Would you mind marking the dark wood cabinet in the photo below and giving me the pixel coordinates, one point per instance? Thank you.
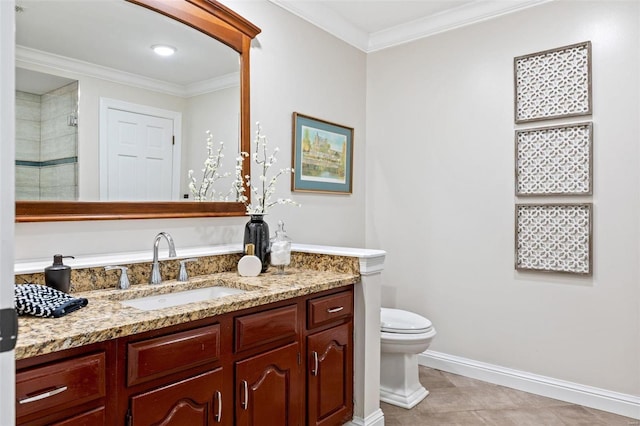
(268, 388)
(175, 377)
(284, 363)
(329, 352)
(330, 376)
(196, 401)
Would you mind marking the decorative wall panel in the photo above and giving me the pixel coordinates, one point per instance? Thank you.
(553, 83)
(553, 237)
(554, 160)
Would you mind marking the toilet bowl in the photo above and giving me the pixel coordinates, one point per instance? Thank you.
(403, 335)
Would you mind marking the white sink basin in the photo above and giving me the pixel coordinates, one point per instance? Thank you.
(161, 301)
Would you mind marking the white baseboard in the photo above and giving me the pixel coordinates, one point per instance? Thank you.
(374, 419)
(588, 396)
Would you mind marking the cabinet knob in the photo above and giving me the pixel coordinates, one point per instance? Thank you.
(314, 371)
(334, 310)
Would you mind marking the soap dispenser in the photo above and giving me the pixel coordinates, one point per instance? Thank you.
(280, 249)
(58, 275)
(249, 265)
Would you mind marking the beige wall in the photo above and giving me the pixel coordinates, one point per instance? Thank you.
(219, 113)
(298, 67)
(295, 67)
(440, 195)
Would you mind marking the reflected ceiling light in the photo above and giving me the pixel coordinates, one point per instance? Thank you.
(163, 49)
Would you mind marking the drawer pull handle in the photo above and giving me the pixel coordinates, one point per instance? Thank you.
(245, 395)
(43, 395)
(218, 416)
(314, 371)
(334, 310)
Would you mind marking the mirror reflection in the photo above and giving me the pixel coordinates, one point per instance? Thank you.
(100, 116)
(46, 137)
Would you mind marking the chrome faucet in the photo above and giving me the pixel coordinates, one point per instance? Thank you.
(182, 274)
(123, 282)
(155, 277)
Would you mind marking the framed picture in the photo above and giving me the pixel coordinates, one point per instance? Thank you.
(555, 160)
(554, 83)
(554, 238)
(322, 156)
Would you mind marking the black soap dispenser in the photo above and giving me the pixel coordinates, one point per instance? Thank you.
(58, 275)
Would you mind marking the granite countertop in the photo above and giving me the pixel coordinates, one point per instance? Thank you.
(105, 318)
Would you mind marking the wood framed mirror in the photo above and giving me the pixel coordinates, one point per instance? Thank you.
(222, 24)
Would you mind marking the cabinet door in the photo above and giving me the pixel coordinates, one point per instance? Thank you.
(330, 376)
(269, 388)
(91, 418)
(194, 401)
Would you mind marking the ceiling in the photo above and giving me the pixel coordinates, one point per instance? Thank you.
(372, 25)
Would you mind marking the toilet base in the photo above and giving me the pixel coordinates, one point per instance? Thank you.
(399, 383)
(403, 401)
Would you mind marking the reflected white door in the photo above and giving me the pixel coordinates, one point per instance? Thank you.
(139, 156)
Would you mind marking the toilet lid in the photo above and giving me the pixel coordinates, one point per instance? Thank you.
(399, 321)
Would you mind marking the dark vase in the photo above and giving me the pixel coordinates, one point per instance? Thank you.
(256, 232)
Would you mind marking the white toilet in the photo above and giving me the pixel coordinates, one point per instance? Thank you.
(403, 336)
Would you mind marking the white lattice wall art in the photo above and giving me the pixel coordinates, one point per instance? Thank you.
(554, 83)
(554, 160)
(553, 237)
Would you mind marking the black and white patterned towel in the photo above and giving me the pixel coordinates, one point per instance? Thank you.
(42, 301)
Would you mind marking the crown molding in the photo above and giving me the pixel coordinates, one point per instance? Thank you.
(470, 13)
(326, 19)
(464, 15)
(33, 59)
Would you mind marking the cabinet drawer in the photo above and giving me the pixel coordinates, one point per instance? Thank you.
(265, 327)
(91, 418)
(160, 356)
(60, 385)
(323, 310)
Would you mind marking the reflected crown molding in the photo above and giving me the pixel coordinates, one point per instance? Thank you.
(218, 83)
(29, 58)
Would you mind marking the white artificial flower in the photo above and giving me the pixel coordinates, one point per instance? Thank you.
(210, 174)
(266, 186)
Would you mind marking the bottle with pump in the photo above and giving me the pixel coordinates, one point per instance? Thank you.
(280, 249)
(58, 275)
(249, 265)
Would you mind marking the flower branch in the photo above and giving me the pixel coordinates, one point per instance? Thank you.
(262, 191)
(210, 175)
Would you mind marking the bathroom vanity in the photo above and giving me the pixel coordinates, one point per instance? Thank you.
(283, 350)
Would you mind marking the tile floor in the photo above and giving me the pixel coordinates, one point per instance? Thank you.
(458, 400)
